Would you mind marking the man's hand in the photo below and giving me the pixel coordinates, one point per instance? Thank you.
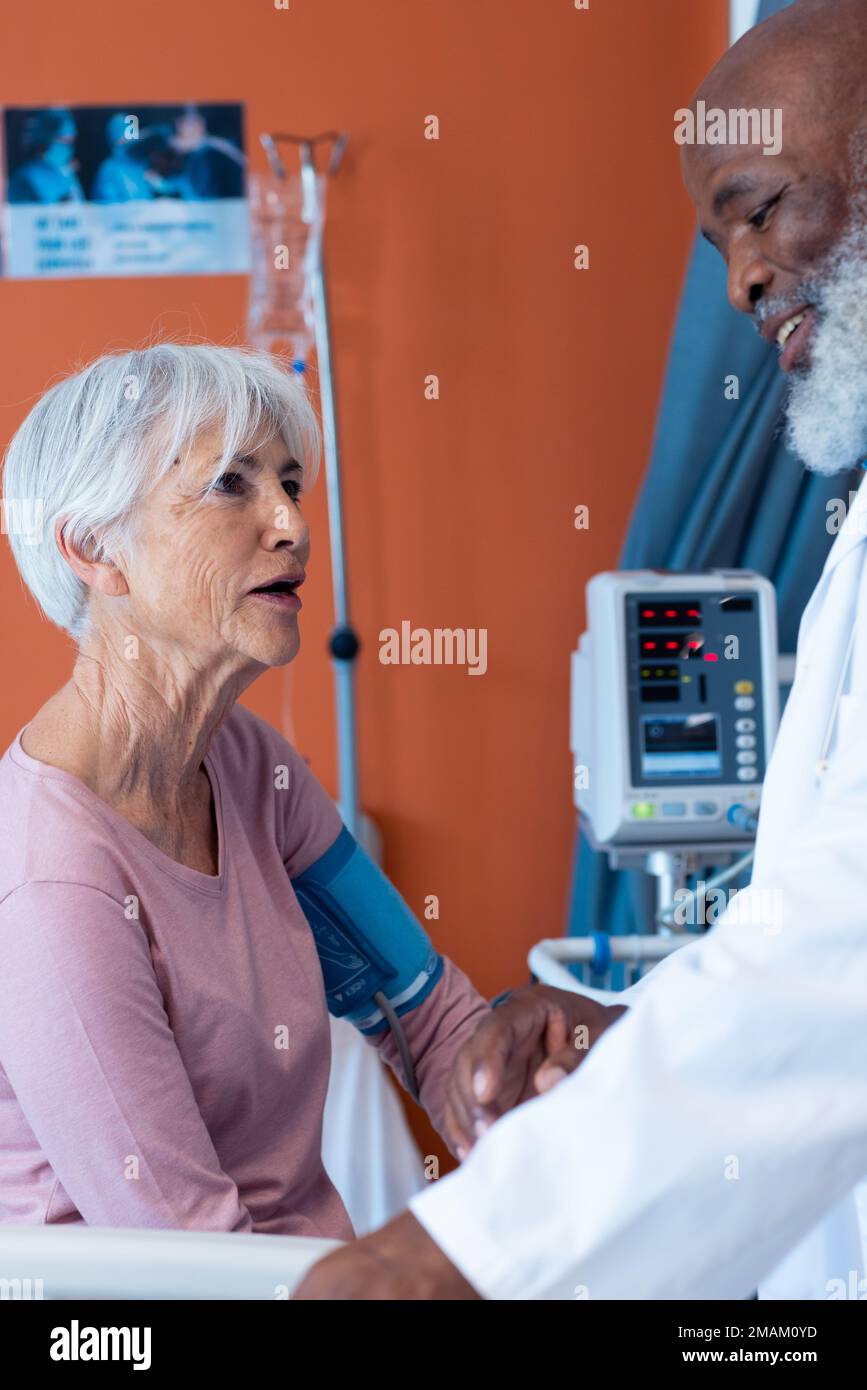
(399, 1261)
(521, 1049)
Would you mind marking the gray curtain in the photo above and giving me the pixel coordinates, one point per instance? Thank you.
(741, 499)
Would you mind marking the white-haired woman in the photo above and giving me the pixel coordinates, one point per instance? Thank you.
(164, 1042)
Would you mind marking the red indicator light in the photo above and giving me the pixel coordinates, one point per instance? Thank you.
(671, 646)
(648, 612)
(694, 644)
(709, 656)
(692, 613)
(649, 646)
(671, 612)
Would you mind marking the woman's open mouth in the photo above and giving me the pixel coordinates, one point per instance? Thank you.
(281, 594)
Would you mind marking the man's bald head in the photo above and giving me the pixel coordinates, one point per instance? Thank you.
(814, 50)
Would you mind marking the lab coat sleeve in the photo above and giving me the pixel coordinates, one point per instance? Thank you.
(87, 1049)
(714, 1123)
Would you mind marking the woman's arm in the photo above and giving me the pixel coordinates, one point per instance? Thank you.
(436, 1031)
(349, 901)
(86, 1045)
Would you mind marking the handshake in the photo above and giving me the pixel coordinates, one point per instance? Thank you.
(520, 1050)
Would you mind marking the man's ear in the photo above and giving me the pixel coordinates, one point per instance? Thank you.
(102, 576)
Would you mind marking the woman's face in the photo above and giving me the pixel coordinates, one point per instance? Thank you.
(197, 558)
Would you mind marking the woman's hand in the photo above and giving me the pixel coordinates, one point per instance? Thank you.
(521, 1049)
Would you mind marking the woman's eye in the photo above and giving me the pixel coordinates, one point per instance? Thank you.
(230, 482)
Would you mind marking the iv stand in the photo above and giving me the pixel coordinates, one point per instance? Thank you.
(343, 643)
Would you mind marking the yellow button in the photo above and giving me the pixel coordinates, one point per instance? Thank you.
(643, 810)
(744, 687)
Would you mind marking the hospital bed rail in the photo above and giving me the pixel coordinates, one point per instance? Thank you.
(549, 958)
(93, 1262)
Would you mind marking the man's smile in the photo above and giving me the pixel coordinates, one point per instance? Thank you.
(792, 332)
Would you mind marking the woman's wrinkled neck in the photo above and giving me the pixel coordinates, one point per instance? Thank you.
(144, 717)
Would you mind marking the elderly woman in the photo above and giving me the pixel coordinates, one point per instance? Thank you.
(164, 1036)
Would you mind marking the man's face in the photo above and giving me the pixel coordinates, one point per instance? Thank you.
(794, 239)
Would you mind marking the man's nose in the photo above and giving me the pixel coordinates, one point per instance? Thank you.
(749, 280)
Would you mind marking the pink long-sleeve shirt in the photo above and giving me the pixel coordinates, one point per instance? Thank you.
(164, 1037)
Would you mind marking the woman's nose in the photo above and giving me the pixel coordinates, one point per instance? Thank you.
(282, 516)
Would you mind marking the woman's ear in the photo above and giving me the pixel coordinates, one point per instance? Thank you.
(101, 575)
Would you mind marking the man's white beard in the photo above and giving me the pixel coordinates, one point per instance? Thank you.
(826, 409)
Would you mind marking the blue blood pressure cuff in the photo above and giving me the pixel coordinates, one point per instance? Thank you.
(367, 938)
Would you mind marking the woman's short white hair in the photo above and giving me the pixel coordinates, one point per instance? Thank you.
(99, 440)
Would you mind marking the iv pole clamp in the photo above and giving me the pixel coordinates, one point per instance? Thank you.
(343, 643)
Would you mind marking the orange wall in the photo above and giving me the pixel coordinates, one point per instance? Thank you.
(452, 258)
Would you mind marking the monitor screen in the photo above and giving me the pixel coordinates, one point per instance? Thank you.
(680, 746)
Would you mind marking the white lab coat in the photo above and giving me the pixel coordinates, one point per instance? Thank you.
(714, 1138)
